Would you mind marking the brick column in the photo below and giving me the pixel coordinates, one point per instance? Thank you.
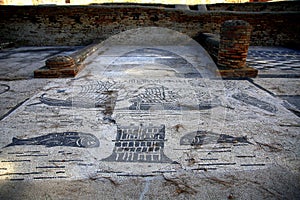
(233, 49)
(234, 43)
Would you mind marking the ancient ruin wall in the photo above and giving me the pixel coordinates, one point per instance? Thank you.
(257, 6)
(81, 25)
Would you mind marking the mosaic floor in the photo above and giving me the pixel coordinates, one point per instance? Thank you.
(149, 118)
(128, 122)
(26, 60)
(142, 127)
(274, 61)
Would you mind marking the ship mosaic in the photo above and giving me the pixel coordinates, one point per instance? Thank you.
(139, 144)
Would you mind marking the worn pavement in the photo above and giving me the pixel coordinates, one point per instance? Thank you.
(149, 120)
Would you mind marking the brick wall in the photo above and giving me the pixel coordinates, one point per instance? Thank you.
(81, 25)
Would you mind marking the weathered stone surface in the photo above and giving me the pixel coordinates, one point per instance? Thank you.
(132, 125)
(63, 66)
(25, 60)
(206, 185)
(280, 86)
(14, 93)
(45, 72)
(60, 62)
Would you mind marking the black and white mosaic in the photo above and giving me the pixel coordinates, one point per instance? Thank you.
(255, 102)
(284, 61)
(139, 144)
(165, 114)
(199, 138)
(151, 97)
(98, 95)
(4, 88)
(157, 124)
(141, 58)
(69, 139)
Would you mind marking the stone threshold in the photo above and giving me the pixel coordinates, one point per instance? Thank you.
(67, 72)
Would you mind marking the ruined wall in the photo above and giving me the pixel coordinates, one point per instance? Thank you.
(257, 7)
(81, 25)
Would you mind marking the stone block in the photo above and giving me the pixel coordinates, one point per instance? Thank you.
(63, 66)
(245, 72)
(46, 72)
(59, 62)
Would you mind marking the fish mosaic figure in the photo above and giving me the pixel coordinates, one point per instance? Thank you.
(255, 102)
(98, 95)
(199, 138)
(69, 139)
(107, 98)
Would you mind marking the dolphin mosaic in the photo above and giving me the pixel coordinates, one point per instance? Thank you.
(69, 139)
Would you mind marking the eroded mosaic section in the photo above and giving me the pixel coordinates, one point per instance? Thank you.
(141, 127)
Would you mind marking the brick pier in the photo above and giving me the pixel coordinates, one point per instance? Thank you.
(233, 49)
